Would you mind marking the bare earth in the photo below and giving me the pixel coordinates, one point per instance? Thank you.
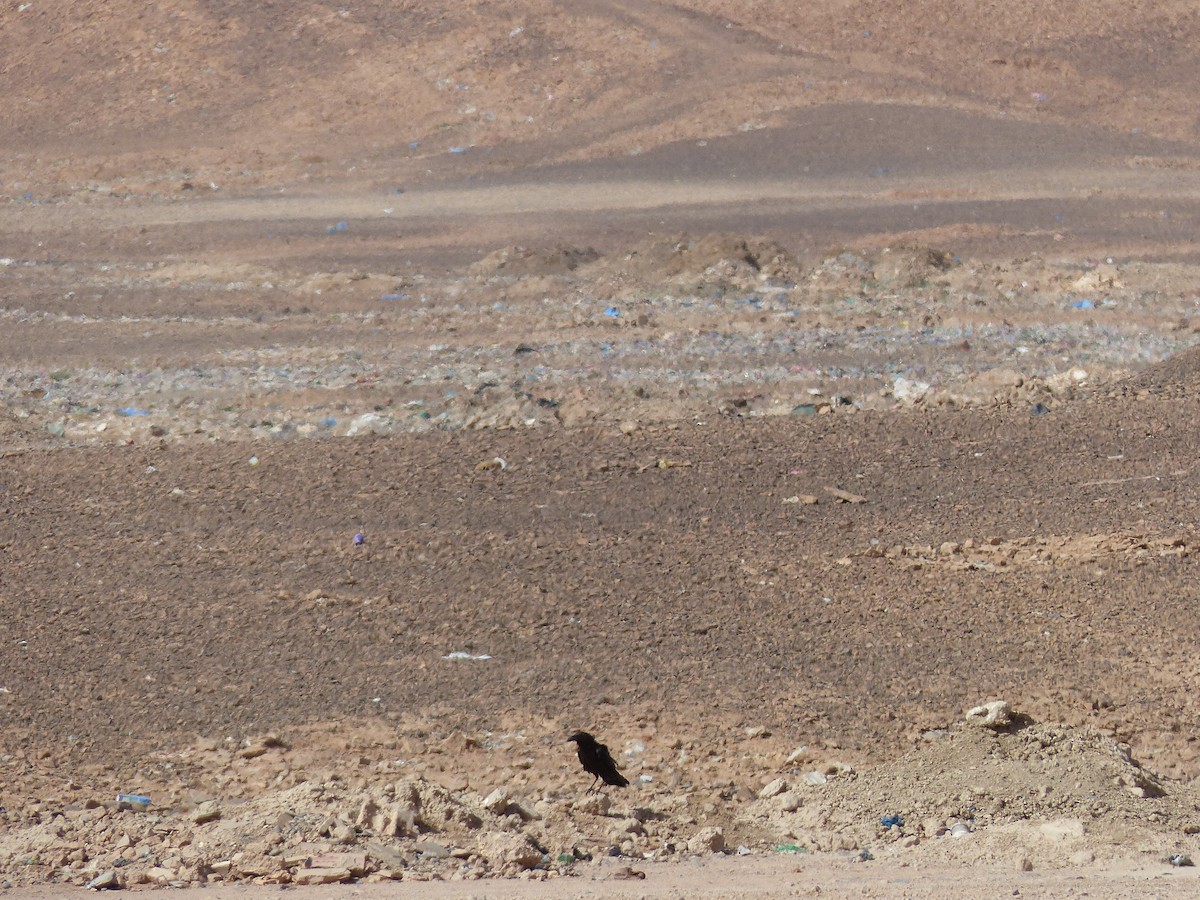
(388, 391)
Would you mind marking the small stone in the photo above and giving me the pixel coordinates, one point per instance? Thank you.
(1024, 864)
(628, 427)
(773, 789)
(431, 849)
(757, 731)
(321, 876)
(995, 714)
(789, 802)
(497, 802)
(511, 851)
(105, 882)
(707, 840)
(1083, 858)
(815, 778)
(596, 805)
(208, 811)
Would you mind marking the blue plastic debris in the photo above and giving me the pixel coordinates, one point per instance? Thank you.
(133, 801)
(132, 411)
(612, 312)
(458, 149)
(336, 229)
(327, 422)
(892, 820)
(392, 296)
(359, 539)
(1083, 304)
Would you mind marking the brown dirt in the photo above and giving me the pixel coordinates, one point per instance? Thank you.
(757, 387)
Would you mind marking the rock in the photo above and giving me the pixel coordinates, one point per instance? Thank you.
(815, 778)
(1024, 864)
(773, 789)
(1082, 858)
(994, 714)
(511, 851)
(105, 882)
(356, 863)
(321, 875)
(707, 840)
(431, 850)
(595, 804)
(800, 753)
(497, 802)
(344, 833)
(160, 875)
(401, 822)
(789, 802)
(208, 811)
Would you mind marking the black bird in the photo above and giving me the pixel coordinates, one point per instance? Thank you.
(597, 761)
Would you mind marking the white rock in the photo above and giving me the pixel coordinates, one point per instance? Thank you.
(773, 788)
(497, 801)
(707, 840)
(995, 714)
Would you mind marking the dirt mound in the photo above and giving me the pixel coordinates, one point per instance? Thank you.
(1176, 376)
(712, 258)
(526, 261)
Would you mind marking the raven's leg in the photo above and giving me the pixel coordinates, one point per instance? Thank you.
(592, 785)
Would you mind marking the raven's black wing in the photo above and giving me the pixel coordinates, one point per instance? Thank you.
(608, 767)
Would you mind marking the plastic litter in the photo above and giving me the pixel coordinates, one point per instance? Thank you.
(462, 654)
(890, 821)
(612, 312)
(959, 829)
(132, 411)
(743, 850)
(359, 539)
(790, 848)
(1180, 859)
(138, 802)
(1039, 409)
(337, 229)
(458, 149)
(1083, 304)
(392, 296)
(253, 460)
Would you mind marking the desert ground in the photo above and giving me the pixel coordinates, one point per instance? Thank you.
(388, 391)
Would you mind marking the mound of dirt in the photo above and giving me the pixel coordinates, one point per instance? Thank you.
(1176, 376)
(526, 261)
(713, 257)
(976, 792)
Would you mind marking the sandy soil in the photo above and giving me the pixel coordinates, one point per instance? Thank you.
(759, 388)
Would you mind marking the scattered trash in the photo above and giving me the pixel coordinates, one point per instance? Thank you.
(1180, 859)
(56, 429)
(254, 460)
(804, 409)
(462, 654)
(565, 858)
(612, 312)
(327, 422)
(743, 850)
(392, 296)
(815, 778)
(458, 149)
(336, 229)
(359, 539)
(137, 802)
(1039, 409)
(1083, 304)
(865, 855)
(790, 848)
(132, 411)
(959, 829)
(892, 820)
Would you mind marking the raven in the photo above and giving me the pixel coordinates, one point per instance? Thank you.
(597, 760)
